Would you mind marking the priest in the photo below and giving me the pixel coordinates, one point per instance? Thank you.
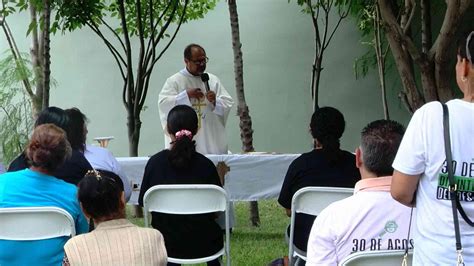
(205, 93)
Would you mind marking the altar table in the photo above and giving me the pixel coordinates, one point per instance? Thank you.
(251, 177)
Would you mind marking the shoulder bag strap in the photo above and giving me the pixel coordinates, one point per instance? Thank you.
(448, 153)
(452, 183)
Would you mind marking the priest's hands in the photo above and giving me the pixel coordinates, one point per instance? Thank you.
(195, 93)
(211, 97)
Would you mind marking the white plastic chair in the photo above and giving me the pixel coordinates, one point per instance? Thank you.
(377, 257)
(312, 200)
(189, 199)
(35, 223)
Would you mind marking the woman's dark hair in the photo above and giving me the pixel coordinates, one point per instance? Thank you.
(327, 125)
(48, 147)
(54, 115)
(462, 45)
(101, 196)
(77, 134)
(180, 119)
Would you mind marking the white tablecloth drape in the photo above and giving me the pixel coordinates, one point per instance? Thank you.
(251, 177)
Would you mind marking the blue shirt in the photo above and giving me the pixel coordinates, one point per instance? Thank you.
(27, 188)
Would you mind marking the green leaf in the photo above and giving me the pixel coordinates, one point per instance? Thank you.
(31, 27)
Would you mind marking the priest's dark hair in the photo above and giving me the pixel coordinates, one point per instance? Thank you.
(182, 118)
(327, 125)
(187, 50)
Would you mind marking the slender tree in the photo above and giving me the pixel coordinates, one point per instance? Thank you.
(246, 131)
(149, 22)
(323, 12)
(370, 24)
(39, 32)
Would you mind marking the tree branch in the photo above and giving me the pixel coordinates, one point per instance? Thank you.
(128, 50)
(113, 31)
(398, 33)
(153, 42)
(17, 57)
(454, 11)
(141, 55)
(118, 58)
(402, 60)
(163, 29)
(439, 52)
(407, 25)
(341, 17)
(314, 18)
(426, 37)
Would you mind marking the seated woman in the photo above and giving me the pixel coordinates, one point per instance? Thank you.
(326, 165)
(75, 166)
(115, 241)
(35, 187)
(186, 236)
(100, 158)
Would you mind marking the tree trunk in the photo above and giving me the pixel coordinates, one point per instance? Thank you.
(380, 60)
(246, 131)
(432, 60)
(35, 52)
(134, 126)
(46, 53)
(402, 58)
(317, 68)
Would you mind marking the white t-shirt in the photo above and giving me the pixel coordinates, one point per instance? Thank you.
(211, 137)
(368, 220)
(422, 152)
(102, 159)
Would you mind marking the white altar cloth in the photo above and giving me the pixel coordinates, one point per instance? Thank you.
(251, 177)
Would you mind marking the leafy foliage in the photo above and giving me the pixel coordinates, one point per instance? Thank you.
(75, 14)
(15, 107)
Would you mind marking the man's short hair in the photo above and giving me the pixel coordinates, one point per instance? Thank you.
(379, 143)
(187, 50)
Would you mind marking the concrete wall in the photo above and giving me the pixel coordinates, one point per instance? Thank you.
(278, 52)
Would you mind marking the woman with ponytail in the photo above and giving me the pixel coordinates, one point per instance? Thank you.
(326, 165)
(186, 236)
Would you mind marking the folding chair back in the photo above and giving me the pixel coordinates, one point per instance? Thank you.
(189, 199)
(35, 223)
(377, 257)
(312, 200)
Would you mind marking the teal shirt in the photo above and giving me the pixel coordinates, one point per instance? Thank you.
(27, 188)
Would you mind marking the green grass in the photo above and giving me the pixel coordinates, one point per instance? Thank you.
(254, 245)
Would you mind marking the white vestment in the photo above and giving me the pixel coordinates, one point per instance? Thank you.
(211, 136)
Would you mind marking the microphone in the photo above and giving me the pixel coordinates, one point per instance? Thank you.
(205, 79)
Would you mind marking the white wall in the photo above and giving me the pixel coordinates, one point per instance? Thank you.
(278, 52)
